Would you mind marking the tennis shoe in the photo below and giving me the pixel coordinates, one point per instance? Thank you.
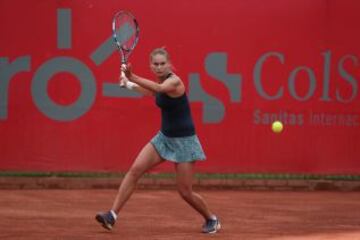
(105, 219)
(211, 225)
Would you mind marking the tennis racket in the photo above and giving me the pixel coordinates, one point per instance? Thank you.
(125, 34)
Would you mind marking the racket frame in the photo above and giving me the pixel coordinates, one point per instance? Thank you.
(124, 52)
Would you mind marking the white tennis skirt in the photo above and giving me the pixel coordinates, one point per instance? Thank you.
(178, 149)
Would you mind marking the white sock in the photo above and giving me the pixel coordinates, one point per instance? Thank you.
(113, 214)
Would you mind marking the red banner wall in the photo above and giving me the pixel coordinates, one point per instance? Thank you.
(246, 63)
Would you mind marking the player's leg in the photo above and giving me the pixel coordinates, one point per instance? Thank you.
(147, 158)
(184, 177)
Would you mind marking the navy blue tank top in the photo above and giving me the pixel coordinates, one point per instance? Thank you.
(176, 120)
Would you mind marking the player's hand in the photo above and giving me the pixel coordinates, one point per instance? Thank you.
(127, 69)
(123, 80)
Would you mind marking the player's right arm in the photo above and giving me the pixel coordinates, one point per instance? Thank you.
(124, 82)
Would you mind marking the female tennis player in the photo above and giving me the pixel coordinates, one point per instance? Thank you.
(176, 141)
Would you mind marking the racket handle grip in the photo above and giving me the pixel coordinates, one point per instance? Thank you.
(123, 66)
(123, 76)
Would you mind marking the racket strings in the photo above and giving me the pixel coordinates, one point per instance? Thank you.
(126, 31)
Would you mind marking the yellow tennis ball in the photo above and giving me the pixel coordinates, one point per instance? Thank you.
(277, 127)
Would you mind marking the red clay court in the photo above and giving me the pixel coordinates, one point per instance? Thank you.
(162, 214)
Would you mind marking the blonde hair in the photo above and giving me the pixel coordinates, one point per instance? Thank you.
(161, 51)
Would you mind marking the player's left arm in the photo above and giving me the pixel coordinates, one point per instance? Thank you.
(169, 85)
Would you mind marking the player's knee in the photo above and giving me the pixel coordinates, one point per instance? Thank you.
(135, 173)
(185, 192)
